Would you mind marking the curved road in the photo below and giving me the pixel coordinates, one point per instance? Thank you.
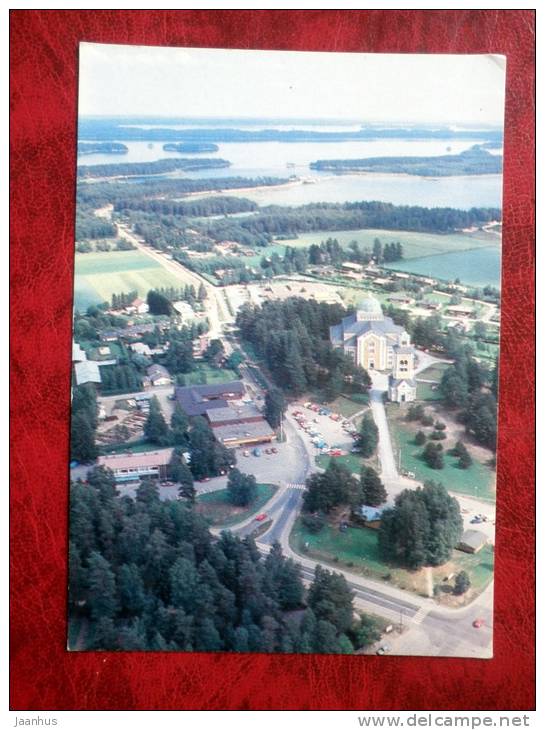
(435, 630)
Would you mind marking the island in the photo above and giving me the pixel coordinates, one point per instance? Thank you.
(475, 161)
(103, 148)
(157, 167)
(190, 147)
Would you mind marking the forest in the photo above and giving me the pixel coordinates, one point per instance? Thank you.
(106, 129)
(88, 225)
(216, 205)
(101, 193)
(279, 220)
(475, 161)
(292, 337)
(190, 147)
(104, 148)
(147, 575)
(157, 167)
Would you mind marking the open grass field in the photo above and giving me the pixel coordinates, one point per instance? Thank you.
(428, 391)
(207, 375)
(434, 372)
(218, 511)
(357, 549)
(99, 275)
(476, 481)
(415, 244)
(348, 407)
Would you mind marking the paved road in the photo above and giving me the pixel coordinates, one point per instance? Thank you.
(216, 308)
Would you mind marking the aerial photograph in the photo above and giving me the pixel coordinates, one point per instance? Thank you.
(286, 325)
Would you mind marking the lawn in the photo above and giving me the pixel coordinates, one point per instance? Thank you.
(426, 392)
(136, 447)
(99, 275)
(348, 407)
(434, 372)
(357, 549)
(351, 461)
(218, 511)
(477, 481)
(415, 244)
(206, 374)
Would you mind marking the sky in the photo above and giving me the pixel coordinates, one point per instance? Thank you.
(158, 81)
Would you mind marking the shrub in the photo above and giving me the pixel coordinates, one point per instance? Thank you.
(420, 438)
(313, 522)
(440, 426)
(426, 420)
(462, 583)
(438, 435)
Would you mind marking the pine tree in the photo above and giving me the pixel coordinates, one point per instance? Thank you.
(373, 490)
(155, 428)
(179, 423)
(241, 488)
(462, 583)
(131, 589)
(82, 439)
(179, 472)
(275, 406)
(102, 596)
(368, 436)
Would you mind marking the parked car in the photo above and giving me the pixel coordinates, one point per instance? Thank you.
(478, 623)
(261, 517)
(274, 450)
(256, 451)
(245, 452)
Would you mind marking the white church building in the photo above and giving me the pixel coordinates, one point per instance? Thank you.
(376, 343)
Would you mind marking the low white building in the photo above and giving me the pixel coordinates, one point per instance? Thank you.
(87, 371)
(159, 375)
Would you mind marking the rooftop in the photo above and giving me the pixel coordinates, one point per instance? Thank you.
(196, 400)
(145, 458)
(239, 431)
(78, 354)
(233, 413)
(474, 539)
(87, 372)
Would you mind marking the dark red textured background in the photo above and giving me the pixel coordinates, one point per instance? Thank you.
(44, 47)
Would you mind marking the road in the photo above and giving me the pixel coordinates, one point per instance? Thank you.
(434, 630)
(215, 305)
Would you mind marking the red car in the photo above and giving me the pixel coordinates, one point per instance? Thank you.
(260, 517)
(478, 623)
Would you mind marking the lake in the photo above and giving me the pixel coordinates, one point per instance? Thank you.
(478, 267)
(255, 159)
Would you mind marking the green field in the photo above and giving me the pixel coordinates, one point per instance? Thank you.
(348, 407)
(99, 275)
(415, 244)
(207, 375)
(356, 549)
(476, 481)
(218, 511)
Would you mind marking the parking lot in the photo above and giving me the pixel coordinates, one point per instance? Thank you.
(323, 430)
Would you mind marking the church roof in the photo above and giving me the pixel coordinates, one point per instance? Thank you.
(404, 349)
(394, 382)
(385, 326)
(370, 305)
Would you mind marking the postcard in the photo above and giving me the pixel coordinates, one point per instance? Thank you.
(285, 352)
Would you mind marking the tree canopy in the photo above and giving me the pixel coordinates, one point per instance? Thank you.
(422, 528)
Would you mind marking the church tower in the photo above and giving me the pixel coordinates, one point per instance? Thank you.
(403, 365)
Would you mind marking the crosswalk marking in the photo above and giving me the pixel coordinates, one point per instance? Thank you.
(291, 485)
(420, 615)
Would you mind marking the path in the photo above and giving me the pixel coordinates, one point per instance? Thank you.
(215, 305)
